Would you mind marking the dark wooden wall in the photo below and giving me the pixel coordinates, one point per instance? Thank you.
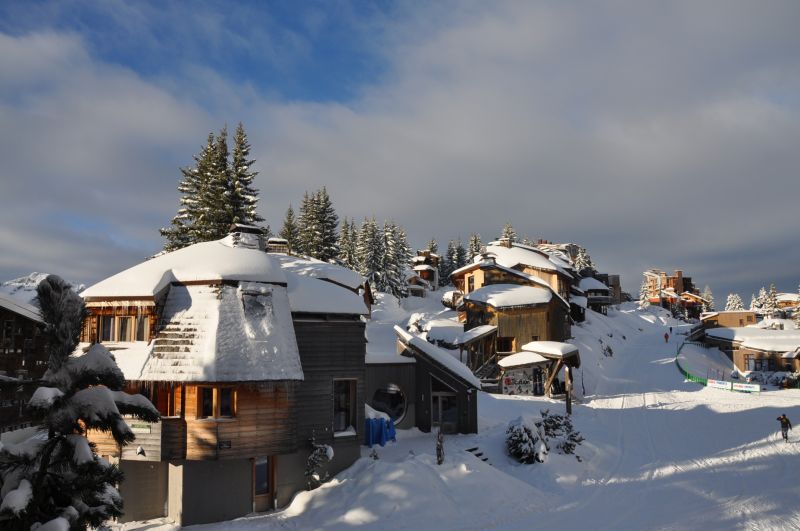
(467, 397)
(21, 345)
(402, 375)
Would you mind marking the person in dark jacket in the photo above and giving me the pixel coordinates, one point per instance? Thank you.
(785, 426)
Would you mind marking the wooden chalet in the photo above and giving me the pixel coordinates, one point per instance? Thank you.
(423, 386)
(757, 349)
(731, 319)
(246, 354)
(426, 266)
(598, 295)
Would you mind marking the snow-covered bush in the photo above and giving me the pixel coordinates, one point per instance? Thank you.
(321, 455)
(56, 477)
(525, 441)
(560, 433)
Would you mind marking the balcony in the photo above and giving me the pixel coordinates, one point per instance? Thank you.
(155, 441)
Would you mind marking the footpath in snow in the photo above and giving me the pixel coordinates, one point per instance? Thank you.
(660, 453)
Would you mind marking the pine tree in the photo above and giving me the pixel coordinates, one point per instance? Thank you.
(242, 197)
(460, 256)
(347, 244)
(60, 479)
(306, 226)
(328, 223)
(753, 303)
(369, 252)
(393, 280)
(474, 246)
(290, 231)
(214, 195)
(770, 306)
(447, 263)
(433, 246)
(644, 295)
(186, 227)
(508, 232)
(708, 306)
(734, 303)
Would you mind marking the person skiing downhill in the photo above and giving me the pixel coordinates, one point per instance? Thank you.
(666, 337)
(785, 426)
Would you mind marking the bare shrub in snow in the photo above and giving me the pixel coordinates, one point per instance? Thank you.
(56, 477)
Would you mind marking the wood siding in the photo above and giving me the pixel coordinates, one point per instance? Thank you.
(264, 423)
(403, 375)
(159, 441)
(329, 350)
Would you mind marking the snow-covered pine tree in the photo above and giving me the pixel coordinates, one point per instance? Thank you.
(527, 241)
(329, 226)
(187, 226)
(347, 244)
(753, 302)
(307, 229)
(56, 477)
(403, 248)
(761, 299)
(242, 197)
(708, 306)
(734, 303)
(290, 231)
(447, 263)
(770, 306)
(393, 280)
(369, 252)
(644, 295)
(216, 191)
(460, 256)
(508, 232)
(474, 246)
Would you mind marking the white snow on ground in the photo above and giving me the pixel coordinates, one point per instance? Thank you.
(660, 453)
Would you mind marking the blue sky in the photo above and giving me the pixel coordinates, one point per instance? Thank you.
(656, 134)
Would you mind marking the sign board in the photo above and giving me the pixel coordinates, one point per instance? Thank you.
(141, 427)
(748, 388)
(719, 384)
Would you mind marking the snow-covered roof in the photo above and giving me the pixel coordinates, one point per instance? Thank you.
(791, 355)
(509, 295)
(207, 261)
(445, 330)
(521, 359)
(590, 283)
(551, 348)
(789, 297)
(424, 267)
(323, 270)
(475, 333)
(759, 338)
(579, 300)
(439, 356)
(26, 310)
(517, 254)
(235, 334)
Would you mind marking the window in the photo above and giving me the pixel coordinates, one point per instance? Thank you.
(216, 402)
(206, 409)
(226, 402)
(344, 406)
(390, 400)
(141, 328)
(8, 332)
(470, 284)
(534, 338)
(106, 328)
(505, 344)
(125, 332)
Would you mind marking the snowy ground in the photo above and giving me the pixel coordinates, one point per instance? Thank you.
(660, 453)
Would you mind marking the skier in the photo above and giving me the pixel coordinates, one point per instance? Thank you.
(670, 329)
(666, 337)
(785, 427)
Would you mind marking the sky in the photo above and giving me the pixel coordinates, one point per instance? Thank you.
(655, 134)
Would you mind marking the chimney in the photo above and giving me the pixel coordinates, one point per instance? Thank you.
(247, 236)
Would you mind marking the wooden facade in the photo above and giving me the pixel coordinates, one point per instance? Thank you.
(519, 325)
(21, 346)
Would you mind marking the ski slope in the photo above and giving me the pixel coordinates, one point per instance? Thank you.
(660, 453)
